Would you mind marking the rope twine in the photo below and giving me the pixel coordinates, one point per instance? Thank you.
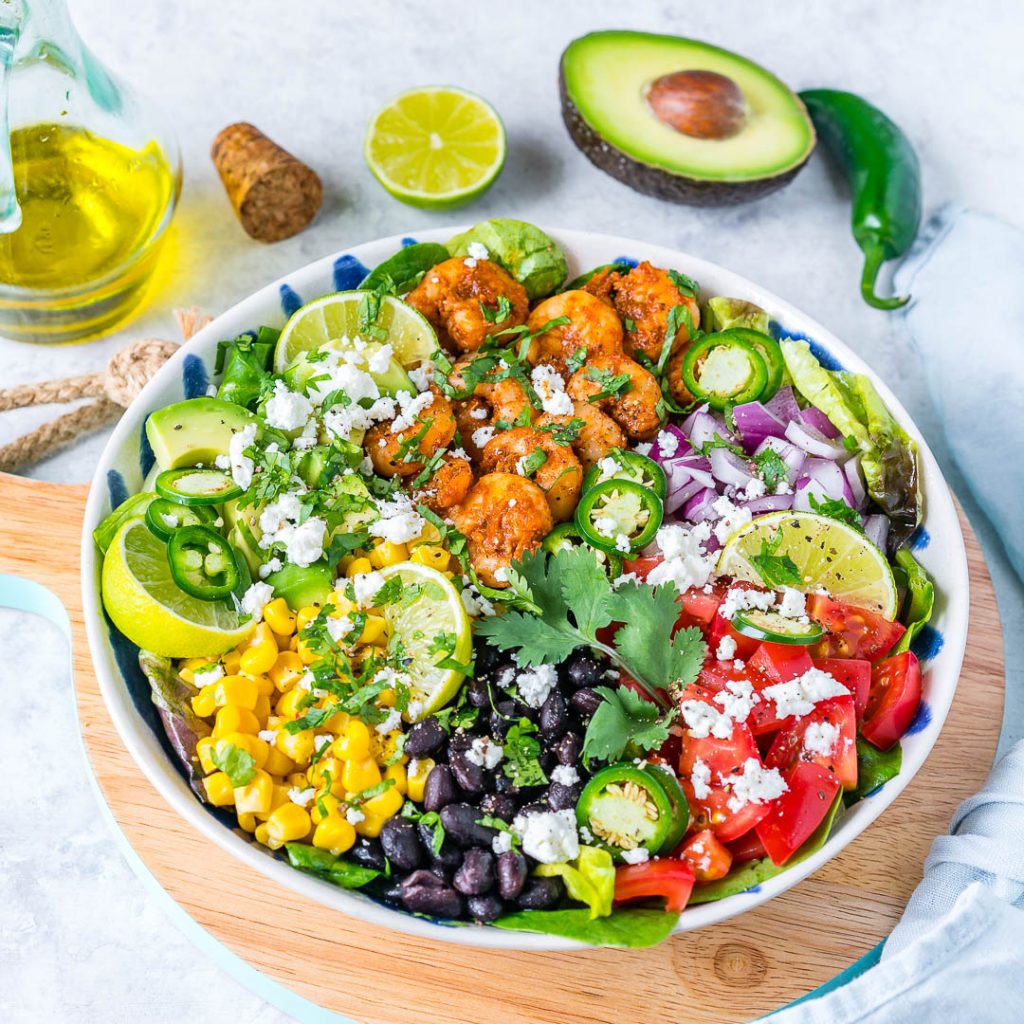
(113, 389)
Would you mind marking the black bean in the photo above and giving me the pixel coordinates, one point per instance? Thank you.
(511, 874)
(391, 893)
(421, 877)
(460, 824)
(459, 740)
(400, 843)
(424, 738)
(541, 893)
(563, 798)
(585, 702)
(468, 774)
(499, 805)
(369, 853)
(567, 749)
(504, 785)
(439, 900)
(485, 908)
(582, 670)
(439, 788)
(478, 693)
(502, 718)
(538, 806)
(476, 875)
(487, 658)
(448, 856)
(553, 718)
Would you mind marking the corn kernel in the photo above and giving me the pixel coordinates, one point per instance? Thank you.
(233, 719)
(327, 768)
(306, 615)
(370, 826)
(337, 723)
(334, 834)
(260, 652)
(390, 746)
(204, 751)
(283, 641)
(278, 763)
(264, 685)
(358, 566)
(386, 805)
(354, 742)
(288, 704)
(397, 772)
(204, 703)
(255, 796)
(256, 748)
(430, 534)
(375, 630)
(293, 645)
(330, 804)
(262, 709)
(360, 774)
(247, 822)
(286, 670)
(262, 833)
(431, 555)
(279, 617)
(219, 790)
(387, 698)
(288, 823)
(416, 777)
(237, 691)
(296, 745)
(342, 604)
(387, 552)
(306, 653)
(231, 661)
(344, 563)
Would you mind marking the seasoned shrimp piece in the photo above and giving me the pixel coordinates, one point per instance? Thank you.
(645, 297)
(674, 375)
(597, 435)
(424, 428)
(450, 297)
(634, 404)
(449, 485)
(559, 475)
(593, 325)
(504, 516)
(491, 401)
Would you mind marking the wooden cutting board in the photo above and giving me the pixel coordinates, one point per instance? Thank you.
(734, 971)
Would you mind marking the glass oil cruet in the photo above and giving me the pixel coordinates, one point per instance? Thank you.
(89, 179)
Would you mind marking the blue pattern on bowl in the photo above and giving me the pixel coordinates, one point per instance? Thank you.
(922, 719)
(290, 299)
(780, 333)
(407, 241)
(628, 260)
(927, 643)
(194, 377)
(920, 539)
(348, 273)
(146, 457)
(116, 489)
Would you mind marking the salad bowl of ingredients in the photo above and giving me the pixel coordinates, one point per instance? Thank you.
(524, 590)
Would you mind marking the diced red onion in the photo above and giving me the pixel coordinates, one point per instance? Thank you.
(876, 529)
(683, 448)
(829, 477)
(755, 423)
(729, 468)
(698, 508)
(821, 423)
(805, 490)
(769, 503)
(792, 456)
(705, 427)
(687, 424)
(811, 441)
(851, 468)
(675, 499)
(783, 405)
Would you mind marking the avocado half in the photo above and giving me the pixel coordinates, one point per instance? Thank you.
(680, 119)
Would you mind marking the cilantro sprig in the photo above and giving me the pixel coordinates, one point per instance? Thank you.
(776, 570)
(836, 508)
(237, 764)
(625, 724)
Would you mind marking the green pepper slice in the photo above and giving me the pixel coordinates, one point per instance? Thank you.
(627, 466)
(203, 563)
(193, 486)
(773, 628)
(626, 808)
(163, 517)
(565, 535)
(724, 369)
(677, 797)
(619, 509)
(770, 352)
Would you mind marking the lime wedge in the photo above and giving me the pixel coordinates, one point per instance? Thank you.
(332, 318)
(152, 611)
(429, 607)
(826, 552)
(436, 147)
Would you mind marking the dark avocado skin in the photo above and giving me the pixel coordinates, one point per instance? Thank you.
(654, 181)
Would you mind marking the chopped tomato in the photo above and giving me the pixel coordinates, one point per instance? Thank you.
(709, 857)
(781, 662)
(672, 879)
(720, 758)
(894, 699)
(851, 632)
(793, 817)
(715, 674)
(698, 608)
(834, 720)
(642, 565)
(747, 847)
(745, 645)
(854, 674)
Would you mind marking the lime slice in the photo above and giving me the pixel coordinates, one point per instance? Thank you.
(436, 147)
(827, 553)
(429, 607)
(331, 319)
(152, 611)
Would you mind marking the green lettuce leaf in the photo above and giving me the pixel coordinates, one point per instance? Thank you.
(874, 767)
(589, 879)
(921, 598)
(628, 929)
(888, 455)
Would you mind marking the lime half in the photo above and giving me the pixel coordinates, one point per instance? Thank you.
(333, 317)
(435, 147)
(145, 603)
(428, 611)
(826, 552)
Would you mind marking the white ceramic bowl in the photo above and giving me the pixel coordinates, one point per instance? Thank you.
(125, 460)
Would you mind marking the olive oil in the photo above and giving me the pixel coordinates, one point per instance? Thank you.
(89, 206)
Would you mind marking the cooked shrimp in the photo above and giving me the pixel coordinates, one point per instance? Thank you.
(597, 435)
(491, 401)
(674, 375)
(645, 297)
(452, 294)
(449, 484)
(634, 407)
(504, 516)
(394, 452)
(593, 326)
(559, 476)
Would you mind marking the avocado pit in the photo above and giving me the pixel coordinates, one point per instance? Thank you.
(701, 104)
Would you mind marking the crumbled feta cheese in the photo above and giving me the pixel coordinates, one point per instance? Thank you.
(739, 664)
(272, 565)
(458, 453)
(731, 519)
(626, 577)
(478, 414)
(737, 699)
(739, 599)
(798, 696)
(256, 598)
(501, 574)
(267, 735)
(339, 627)
(399, 521)
(483, 751)
(501, 843)
(792, 604)
(207, 675)
(622, 543)
(287, 410)
(700, 779)
(411, 407)
(548, 836)
(482, 435)
(421, 375)
(534, 684)
(754, 785)
(550, 390)
(353, 816)
(305, 543)
(380, 360)
(391, 723)
(343, 375)
(644, 448)
(512, 502)
(686, 563)
(477, 251)
(605, 526)
(565, 775)
(279, 523)
(365, 585)
(668, 443)
(240, 463)
(705, 720)
(414, 710)
(754, 490)
(726, 649)
(476, 604)
(469, 262)
(638, 855)
(586, 835)
(820, 738)
(302, 797)
(319, 742)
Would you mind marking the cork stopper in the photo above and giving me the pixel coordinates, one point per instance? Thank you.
(275, 195)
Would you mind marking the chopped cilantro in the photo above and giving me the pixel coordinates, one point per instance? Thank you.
(610, 385)
(576, 360)
(498, 313)
(522, 755)
(776, 570)
(237, 764)
(772, 469)
(563, 434)
(623, 720)
(836, 508)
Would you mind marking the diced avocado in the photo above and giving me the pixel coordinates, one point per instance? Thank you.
(194, 431)
(720, 313)
(350, 498)
(302, 586)
(390, 380)
(680, 119)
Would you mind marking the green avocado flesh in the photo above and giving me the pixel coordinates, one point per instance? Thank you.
(606, 75)
(194, 431)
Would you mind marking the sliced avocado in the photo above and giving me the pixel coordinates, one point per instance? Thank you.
(244, 544)
(302, 586)
(194, 431)
(680, 119)
(350, 499)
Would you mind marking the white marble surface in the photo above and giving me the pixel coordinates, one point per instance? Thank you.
(80, 940)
